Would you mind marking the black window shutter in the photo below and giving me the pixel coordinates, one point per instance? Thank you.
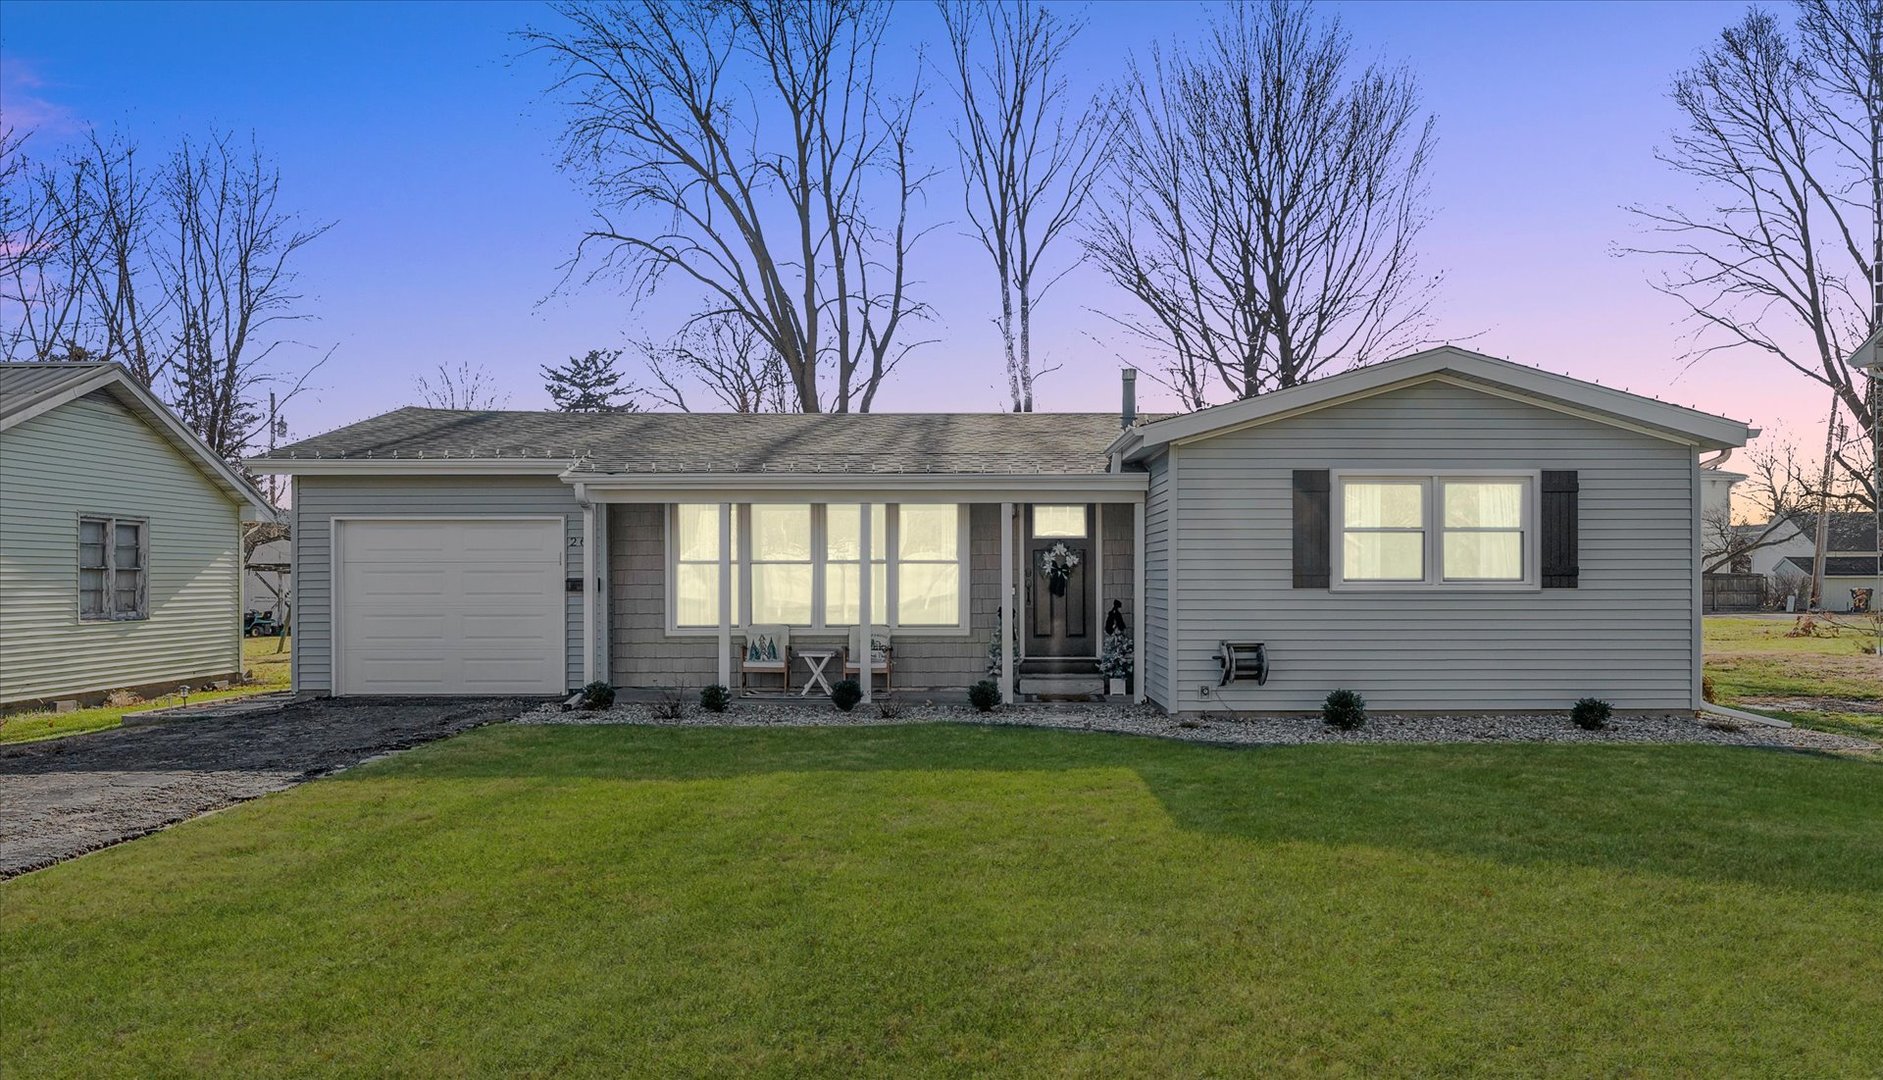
(1560, 529)
(1313, 503)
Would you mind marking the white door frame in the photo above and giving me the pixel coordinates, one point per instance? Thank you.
(336, 560)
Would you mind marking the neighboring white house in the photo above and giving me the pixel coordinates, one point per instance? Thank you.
(1788, 555)
(1446, 531)
(120, 548)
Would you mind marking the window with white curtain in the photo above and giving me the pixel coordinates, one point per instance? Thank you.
(112, 556)
(1436, 530)
(928, 565)
(781, 564)
(696, 544)
(843, 532)
(803, 564)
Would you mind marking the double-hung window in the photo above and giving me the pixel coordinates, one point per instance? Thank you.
(113, 553)
(803, 563)
(1436, 530)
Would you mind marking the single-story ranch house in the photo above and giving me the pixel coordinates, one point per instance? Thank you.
(120, 540)
(1445, 531)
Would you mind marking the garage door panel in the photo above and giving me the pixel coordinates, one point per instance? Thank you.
(451, 606)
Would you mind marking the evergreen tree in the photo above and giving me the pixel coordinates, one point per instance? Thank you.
(590, 383)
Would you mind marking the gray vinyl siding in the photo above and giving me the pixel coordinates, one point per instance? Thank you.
(1154, 663)
(319, 499)
(1627, 634)
(93, 456)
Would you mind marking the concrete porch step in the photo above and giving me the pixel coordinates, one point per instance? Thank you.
(1062, 685)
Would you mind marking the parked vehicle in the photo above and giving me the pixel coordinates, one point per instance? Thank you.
(261, 624)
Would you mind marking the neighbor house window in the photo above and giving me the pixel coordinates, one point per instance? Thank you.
(1436, 530)
(112, 557)
(804, 565)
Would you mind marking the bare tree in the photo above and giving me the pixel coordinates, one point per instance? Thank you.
(181, 273)
(723, 356)
(461, 386)
(228, 282)
(1265, 198)
(1782, 135)
(1029, 155)
(747, 147)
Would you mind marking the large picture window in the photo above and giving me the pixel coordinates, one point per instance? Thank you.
(112, 557)
(1436, 530)
(803, 563)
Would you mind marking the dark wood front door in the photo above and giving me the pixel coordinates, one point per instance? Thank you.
(1062, 617)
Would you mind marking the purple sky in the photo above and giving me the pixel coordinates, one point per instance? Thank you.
(412, 128)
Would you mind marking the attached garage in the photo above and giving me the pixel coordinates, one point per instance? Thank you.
(449, 605)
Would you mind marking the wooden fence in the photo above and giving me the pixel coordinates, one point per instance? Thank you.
(1732, 592)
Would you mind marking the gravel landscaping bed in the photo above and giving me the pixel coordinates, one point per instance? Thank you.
(1251, 730)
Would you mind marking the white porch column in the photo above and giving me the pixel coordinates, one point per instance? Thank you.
(866, 613)
(1006, 603)
(725, 594)
(1138, 606)
(604, 655)
(588, 593)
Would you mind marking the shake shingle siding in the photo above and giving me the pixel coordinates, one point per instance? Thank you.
(319, 499)
(645, 653)
(1624, 634)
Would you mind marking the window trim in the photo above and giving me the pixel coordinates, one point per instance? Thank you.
(1433, 529)
(111, 614)
(741, 572)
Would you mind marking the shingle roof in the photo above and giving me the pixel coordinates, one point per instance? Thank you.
(1838, 565)
(637, 442)
(23, 385)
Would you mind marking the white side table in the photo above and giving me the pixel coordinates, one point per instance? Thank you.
(815, 661)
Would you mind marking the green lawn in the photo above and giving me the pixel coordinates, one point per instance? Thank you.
(948, 900)
(259, 656)
(1752, 662)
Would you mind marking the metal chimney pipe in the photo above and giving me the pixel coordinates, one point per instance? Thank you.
(1128, 415)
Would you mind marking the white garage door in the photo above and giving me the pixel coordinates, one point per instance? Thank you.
(465, 606)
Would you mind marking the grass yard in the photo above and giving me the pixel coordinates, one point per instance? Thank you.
(270, 669)
(1754, 665)
(949, 899)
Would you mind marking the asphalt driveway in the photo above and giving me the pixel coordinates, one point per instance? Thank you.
(65, 797)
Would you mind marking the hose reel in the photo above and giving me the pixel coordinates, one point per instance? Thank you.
(1243, 660)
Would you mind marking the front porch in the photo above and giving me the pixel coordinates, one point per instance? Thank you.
(668, 602)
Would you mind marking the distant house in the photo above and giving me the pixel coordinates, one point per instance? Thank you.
(266, 578)
(1445, 531)
(1787, 559)
(120, 546)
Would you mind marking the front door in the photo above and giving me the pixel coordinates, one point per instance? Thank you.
(1061, 582)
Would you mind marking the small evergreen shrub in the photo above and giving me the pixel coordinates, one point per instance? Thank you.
(715, 698)
(1590, 714)
(846, 694)
(1344, 709)
(984, 695)
(598, 695)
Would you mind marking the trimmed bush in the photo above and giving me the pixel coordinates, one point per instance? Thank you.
(715, 698)
(846, 694)
(597, 695)
(1590, 714)
(984, 695)
(1344, 709)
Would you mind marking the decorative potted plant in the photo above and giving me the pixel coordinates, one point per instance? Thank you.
(1114, 662)
(1057, 563)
